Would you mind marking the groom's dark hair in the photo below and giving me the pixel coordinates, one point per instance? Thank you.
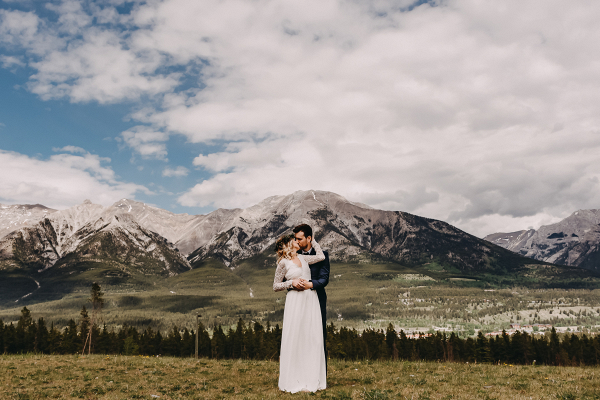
(306, 229)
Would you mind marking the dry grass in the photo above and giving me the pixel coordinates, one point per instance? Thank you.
(119, 377)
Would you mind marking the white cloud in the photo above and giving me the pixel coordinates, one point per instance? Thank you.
(18, 27)
(440, 111)
(61, 181)
(148, 142)
(475, 113)
(70, 149)
(81, 61)
(177, 172)
(99, 68)
(71, 16)
(11, 61)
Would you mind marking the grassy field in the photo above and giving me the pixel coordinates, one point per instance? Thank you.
(120, 377)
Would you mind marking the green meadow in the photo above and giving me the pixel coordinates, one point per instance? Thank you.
(123, 377)
(360, 295)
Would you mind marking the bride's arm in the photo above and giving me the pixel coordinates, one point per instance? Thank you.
(317, 257)
(278, 283)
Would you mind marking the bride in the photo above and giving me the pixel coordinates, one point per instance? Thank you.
(302, 357)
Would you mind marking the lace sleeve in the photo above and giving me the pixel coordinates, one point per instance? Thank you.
(316, 258)
(278, 283)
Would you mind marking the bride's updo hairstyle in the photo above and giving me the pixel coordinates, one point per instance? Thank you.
(284, 248)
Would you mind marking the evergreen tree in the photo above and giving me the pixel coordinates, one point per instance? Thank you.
(468, 353)
(24, 340)
(130, 346)
(405, 347)
(204, 349)
(249, 343)
(54, 340)
(218, 343)
(374, 344)
(172, 344)
(10, 339)
(2, 336)
(103, 345)
(95, 329)
(554, 347)
(158, 343)
(84, 328)
(390, 340)
(454, 348)
(41, 337)
(482, 350)
(272, 346)
(258, 341)
(97, 300)
(147, 342)
(235, 341)
(188, 344)
(70, 341)
(335, 346)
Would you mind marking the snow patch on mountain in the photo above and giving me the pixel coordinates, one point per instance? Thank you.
(13, 217)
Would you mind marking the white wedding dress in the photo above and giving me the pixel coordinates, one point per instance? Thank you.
(302, 357)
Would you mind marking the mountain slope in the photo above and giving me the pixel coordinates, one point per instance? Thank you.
(512, 241)
(149, 240)
(188, 232)
(89, 232)
(574, 241)
(352, 231)
(13, 217)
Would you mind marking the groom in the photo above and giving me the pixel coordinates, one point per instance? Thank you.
(319, 273)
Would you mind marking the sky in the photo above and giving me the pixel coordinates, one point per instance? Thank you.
(483, 114)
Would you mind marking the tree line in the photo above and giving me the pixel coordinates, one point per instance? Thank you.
(255, 341)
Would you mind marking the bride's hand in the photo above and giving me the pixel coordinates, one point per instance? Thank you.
(298, 284)
(306, 284)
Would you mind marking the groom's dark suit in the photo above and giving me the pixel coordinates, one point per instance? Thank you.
(319, 274)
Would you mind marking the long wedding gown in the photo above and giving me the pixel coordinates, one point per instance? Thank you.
(302, 357)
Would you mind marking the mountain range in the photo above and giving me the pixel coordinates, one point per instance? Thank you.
(574, 241)
(131, 243)
(349, 230)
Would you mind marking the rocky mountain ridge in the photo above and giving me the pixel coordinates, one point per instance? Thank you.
(129, 244)
(13, 217)
(574, 241)
(86, 232)
(513, 241)
(350, 230)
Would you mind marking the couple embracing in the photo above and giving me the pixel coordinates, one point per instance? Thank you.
(303, 270)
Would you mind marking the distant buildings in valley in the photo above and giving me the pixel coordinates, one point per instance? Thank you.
(541, 328)
(533, 329)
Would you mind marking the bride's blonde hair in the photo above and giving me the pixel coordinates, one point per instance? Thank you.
(284, 248)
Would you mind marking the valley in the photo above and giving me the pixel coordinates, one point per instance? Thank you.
(360, 295)
(160, 269)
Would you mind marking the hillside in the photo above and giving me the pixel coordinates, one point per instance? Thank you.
(142, 253)
(574, 241)
(354, 232)
(13, 217)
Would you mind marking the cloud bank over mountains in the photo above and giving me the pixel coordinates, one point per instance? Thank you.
(482, 114)
(57, 181)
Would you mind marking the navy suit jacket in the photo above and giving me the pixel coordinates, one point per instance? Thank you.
(319, 273)
(319, 276)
